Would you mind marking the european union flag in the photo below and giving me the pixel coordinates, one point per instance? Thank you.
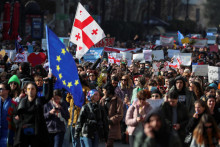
(180, 37)
(64, 67)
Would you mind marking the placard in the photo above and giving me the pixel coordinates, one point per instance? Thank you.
(166, 41)
(200, 70)
(182, 59)
(213, 73)
(93, 54)
(147, 55)
(157, 55)
(138, 57)
(172, 52)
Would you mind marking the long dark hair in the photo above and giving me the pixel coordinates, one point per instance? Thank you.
(200, 133)
(199, 91)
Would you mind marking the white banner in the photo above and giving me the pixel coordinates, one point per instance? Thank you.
(213, 73)
(166, 41)
(200, 70)
(157, 55)
(126, 55)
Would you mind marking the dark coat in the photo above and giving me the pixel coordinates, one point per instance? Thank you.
(54, 123)
(40, 128)
(93, 121)
(182, 117)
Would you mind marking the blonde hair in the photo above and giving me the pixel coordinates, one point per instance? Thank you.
(129, 82)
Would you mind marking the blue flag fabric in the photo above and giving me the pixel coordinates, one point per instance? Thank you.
(18, 47)
(180, 37)
(64, 67)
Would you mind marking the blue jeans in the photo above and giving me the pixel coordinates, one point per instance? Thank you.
(70, 131)
(56, 139)
(88, 142)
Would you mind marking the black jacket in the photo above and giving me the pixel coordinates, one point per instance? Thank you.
(90, 122)
(36, 119)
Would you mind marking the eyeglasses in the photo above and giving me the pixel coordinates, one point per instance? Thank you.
(13, 83)
(124, 79)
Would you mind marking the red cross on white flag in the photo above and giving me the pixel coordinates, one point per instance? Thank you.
(85, 31)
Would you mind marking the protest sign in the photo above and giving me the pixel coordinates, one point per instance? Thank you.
(166, 41)
(182, 58)
(213, 73)
(147, 55)
(93, 54)
(157, 42)
(214, 48)
(185, 40)
(20, 57)
(126, 56)
(138, 57)
(158, 66)
(157, 55)
(11, 54)
(200, 70)
(171, 52)
(199, 43)
(36, 58)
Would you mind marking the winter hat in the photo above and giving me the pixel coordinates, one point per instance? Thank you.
(213, 85)
(90, 94)
(14, 78)
(157, 91)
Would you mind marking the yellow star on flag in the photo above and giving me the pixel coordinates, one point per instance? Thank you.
(63, 51)
(64, 82)
(60, 76)
(67, 49)
(76, 82)
(58, 68)
(69, 84)
(58, 58)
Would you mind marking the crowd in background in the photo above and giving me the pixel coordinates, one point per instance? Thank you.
(123, 102)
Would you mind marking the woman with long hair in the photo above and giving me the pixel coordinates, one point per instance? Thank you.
(14, 83)
(206, 134)
(197, 89)
(136, 115)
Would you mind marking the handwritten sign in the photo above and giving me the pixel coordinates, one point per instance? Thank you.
(21, 57)
(200, 70)
(183, 59)
(213, 73)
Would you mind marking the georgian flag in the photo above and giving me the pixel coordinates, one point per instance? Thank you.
(85, 31)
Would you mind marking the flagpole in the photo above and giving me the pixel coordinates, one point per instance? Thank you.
(48, 52)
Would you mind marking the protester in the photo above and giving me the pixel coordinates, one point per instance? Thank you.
(114, 108)
(92, 122)
(174, 116)
(156, 132)
(31, 127)
(136, 116)
(56, 115)
(206, 133)
(14, 83)
(6, 102)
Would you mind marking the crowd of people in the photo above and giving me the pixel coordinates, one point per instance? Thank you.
(127, 103)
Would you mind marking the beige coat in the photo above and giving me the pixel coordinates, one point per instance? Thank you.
(115, 114)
